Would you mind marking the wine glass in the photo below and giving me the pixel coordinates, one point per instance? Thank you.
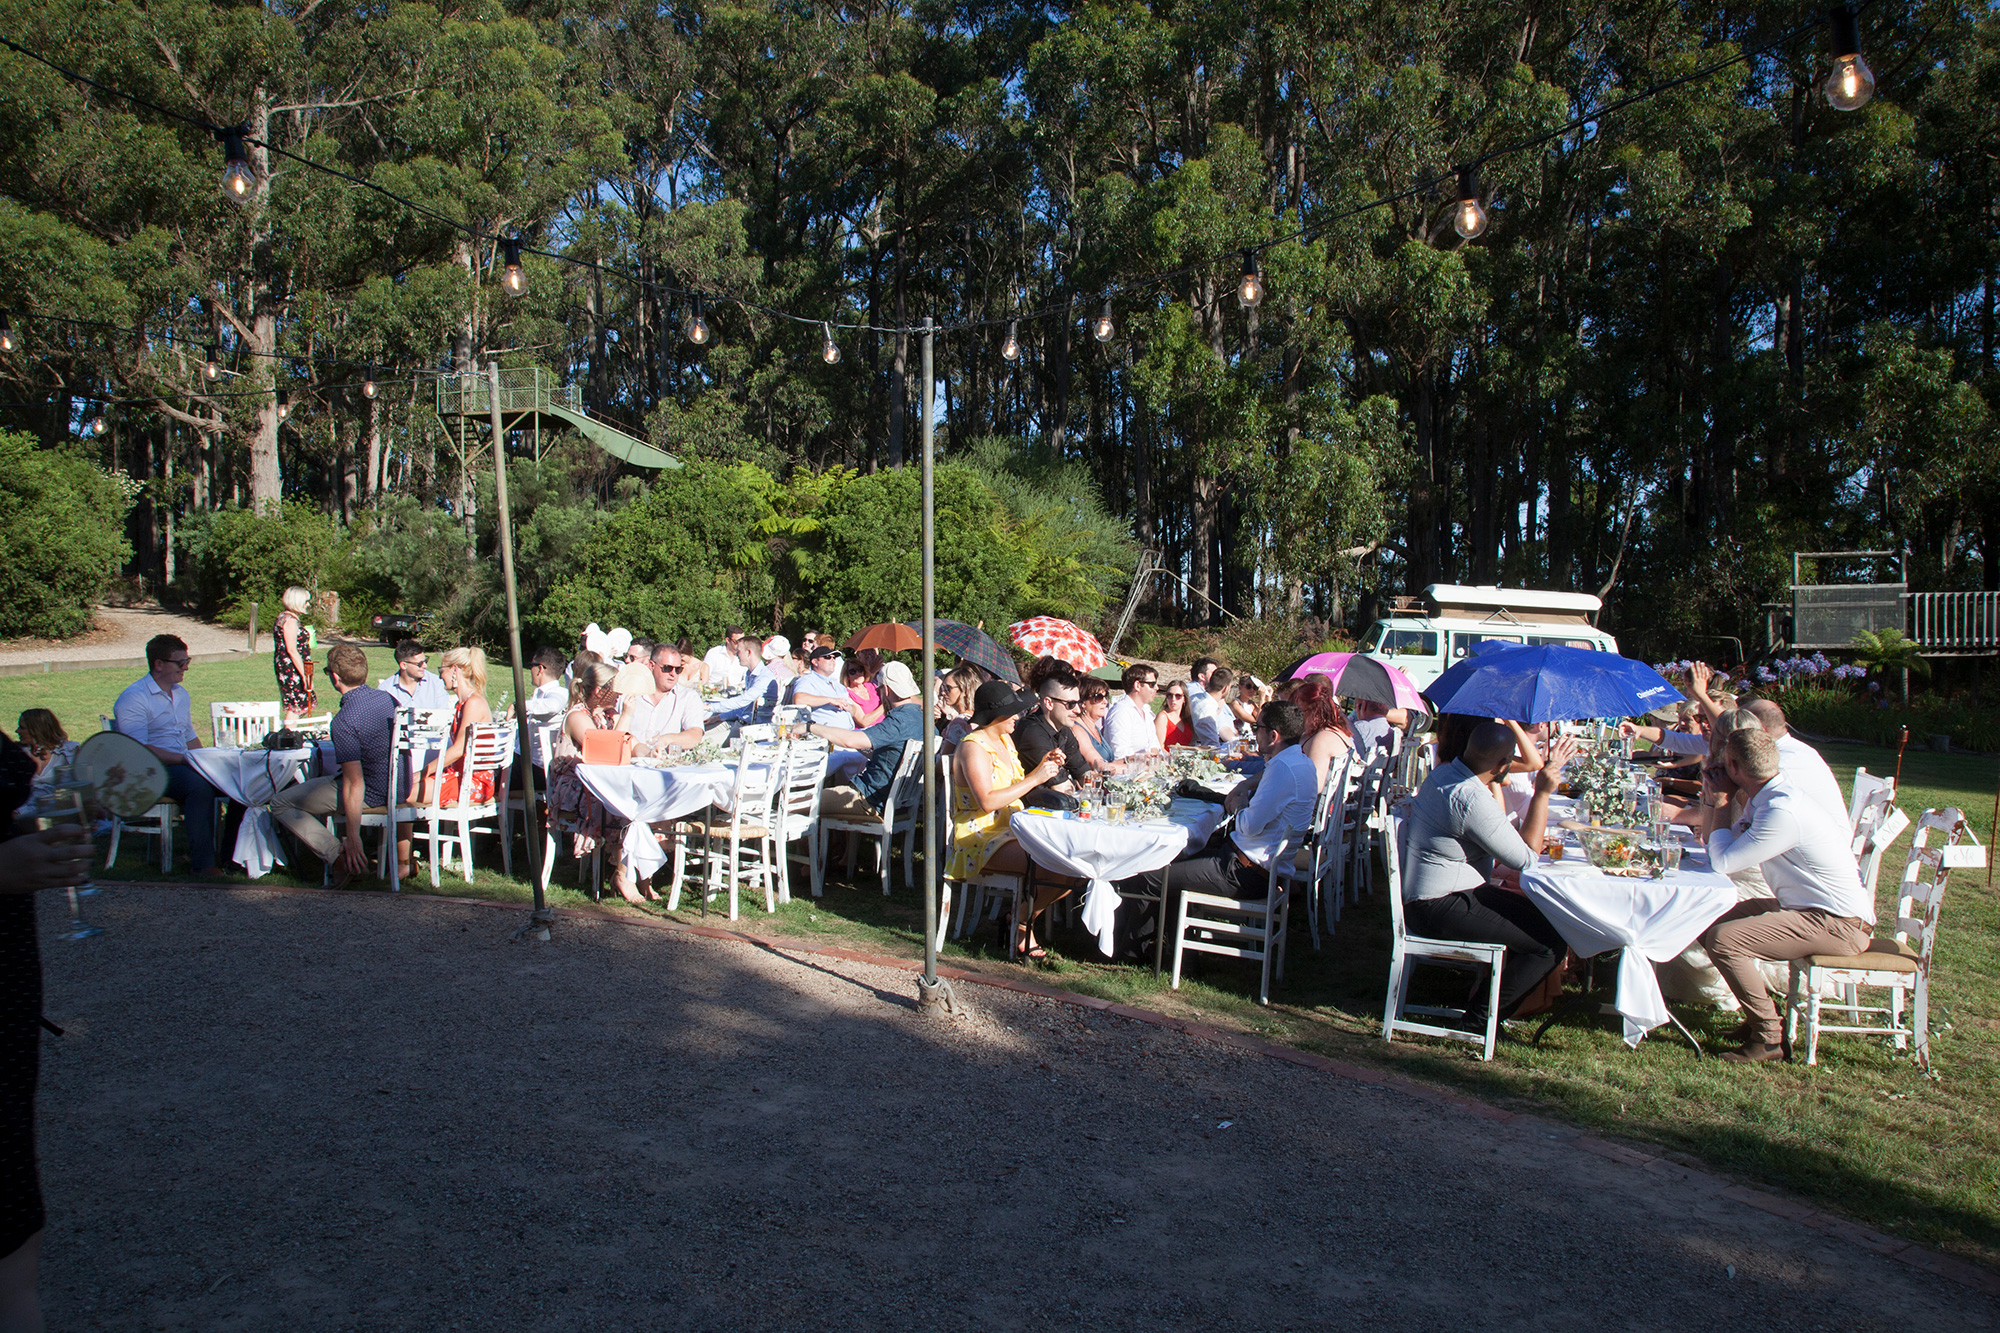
(79, 929)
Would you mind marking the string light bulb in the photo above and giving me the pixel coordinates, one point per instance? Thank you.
(284, 403)
(513, 277)
(697, 325)
(1010, 350)
(1104, 326)
(1250, 291)
(239, 178)
(368, 386)
(1851, 83)
(97, 425)
(211, 367)
(1468, 217)
(829, 350)
(8, 342)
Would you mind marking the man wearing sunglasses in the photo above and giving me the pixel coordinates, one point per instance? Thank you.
(672, 715)
(1048, 728)
(155, 711)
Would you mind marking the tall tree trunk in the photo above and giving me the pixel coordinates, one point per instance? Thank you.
(899, 368)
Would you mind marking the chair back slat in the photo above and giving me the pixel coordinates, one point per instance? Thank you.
(243, 725)
(904, 793)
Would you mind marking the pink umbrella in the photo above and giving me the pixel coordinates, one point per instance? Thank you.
(1052, 637)
(1358, 677)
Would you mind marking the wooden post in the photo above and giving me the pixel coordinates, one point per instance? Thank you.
(1902, 742)
(540, 918)
(253, 627)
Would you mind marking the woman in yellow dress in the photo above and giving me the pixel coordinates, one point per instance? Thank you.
(987, 791)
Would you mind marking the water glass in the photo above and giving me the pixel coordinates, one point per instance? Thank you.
(1670, 857)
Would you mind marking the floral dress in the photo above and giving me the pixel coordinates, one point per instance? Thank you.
(294, 690)
(574, 806)
(976, 832)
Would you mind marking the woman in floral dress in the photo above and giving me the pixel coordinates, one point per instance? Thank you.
(291, 655)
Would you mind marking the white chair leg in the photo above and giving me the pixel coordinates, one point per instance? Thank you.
(885, 858)
(1180, 933)
(1812, 1027)
(465, 846)
(1920, 1022)
(1392, 1006)
(817, 842)
(1492, 1012)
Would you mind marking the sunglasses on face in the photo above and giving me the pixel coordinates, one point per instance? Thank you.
(181, 662)
(673, 670)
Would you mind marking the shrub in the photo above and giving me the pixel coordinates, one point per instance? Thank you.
(233, 557)
(62, 522)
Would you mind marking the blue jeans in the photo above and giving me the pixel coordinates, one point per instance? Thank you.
(197, 797)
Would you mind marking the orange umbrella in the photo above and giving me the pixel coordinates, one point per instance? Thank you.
(888, 637)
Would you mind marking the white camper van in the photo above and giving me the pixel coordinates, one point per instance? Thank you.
(1424, 635)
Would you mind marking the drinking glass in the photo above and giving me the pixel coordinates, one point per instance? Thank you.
(1670, 857)
(78, 928)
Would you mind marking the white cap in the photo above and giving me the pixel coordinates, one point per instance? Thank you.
(617, 641)
(777, 646)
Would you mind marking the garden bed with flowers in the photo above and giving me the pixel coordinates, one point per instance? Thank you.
(1845, 700)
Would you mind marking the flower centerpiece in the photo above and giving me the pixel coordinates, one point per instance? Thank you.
(1146, 797)
(1185, 762)
(705, 752)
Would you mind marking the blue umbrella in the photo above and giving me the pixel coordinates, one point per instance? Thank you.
(1550, 682)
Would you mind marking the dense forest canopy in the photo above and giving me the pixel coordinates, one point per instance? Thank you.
(1721, 324)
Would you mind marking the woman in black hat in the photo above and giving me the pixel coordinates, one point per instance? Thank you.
(987, 790)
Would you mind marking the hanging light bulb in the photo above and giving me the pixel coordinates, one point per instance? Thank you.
(211, 367)
(697, 326)
(1851, 83)
(513, 277)
(97, 425)
(1104, 326)
(8, 342)
(368, 386)
(829, 350)
(1468, 218)
(1250, 291)
(1010, 350)
(239, 178)
(284, 403)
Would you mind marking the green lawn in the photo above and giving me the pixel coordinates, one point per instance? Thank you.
(1864, 1132)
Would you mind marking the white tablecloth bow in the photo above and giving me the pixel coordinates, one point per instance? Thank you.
(1652, 920)
(250, 778)
(1102, 852)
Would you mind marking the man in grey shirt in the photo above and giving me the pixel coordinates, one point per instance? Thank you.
(1458, 832)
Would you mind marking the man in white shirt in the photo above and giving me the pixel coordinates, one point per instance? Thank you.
(1209, 712)
(672, 715)
(724, 663)
(1128, 726)
(1804, 851)
(1198, 675)
(1802, 765)
(1281, 807)
(820, 690)
(155, 711)
(411, 685)
(549, 701)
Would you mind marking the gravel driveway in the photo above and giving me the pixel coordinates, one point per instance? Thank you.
(311, 1112)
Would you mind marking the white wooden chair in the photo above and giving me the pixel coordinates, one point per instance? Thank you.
(543, 736)
(798, 810)
(157, 822)
(744, 835)
(982, 893)
(1877, 823)
(1900, 964)
(489, 748)
(1407, 951)
(243, 725)
(899, 815)
(1867, 790)
(1371, 818)
(1316, 867)
(1241, 927)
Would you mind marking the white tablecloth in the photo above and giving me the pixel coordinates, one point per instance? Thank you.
(1652, 920)
(250, 778)
(1102, 852)
(645, 796)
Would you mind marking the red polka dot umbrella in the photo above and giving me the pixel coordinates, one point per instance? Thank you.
(1046, 635)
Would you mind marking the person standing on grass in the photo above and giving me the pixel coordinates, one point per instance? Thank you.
(155, 711)
(361, 752)
(291, 655)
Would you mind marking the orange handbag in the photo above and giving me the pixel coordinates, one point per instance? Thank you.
(607, 747)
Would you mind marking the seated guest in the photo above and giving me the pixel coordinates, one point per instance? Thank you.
(154, 710)
(1213, 720)
(1454, 730)
(1819, 905)
(464, 674)
(1458, 837)
(1047, 729)
(902, 721)
(593, 706)
(1517, 785)
(584, 658)
(1281, 807)
(1251, 695)
(1327, 737)
(858, 675)
(694, 671)
(795, 666)
(820, 690)
(1802, 765)
(41, 734)
(1093, 702)
(986, 791)
(545, 705)
(639, 650)
(670, 714)
(759, 684)
(1198, 674)
(724, 663)
(954, 702)
(361, 732)
(1129, 724)
(1370, 728)
(411, 686)
(1171, 723)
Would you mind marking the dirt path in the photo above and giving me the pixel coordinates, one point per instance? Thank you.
(306, 1112)
(121, 633)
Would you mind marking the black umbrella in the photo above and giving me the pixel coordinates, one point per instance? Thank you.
(970, 644)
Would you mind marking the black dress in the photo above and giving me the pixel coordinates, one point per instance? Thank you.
(21, 1213)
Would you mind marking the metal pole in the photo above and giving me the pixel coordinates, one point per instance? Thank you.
(930, 990)
(538, 921)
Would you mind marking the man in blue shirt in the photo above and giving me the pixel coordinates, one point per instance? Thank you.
(761, 684)
(411, 686)
(155, 711)
(901, 723)
(361, 749)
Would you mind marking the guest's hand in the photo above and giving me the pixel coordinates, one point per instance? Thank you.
(1699, 674)
(57, 858)
(353, 858)
(1560, 752)
(1628, 728)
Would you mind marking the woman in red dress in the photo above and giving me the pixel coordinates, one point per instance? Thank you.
(464, 674)
(1171, 723)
